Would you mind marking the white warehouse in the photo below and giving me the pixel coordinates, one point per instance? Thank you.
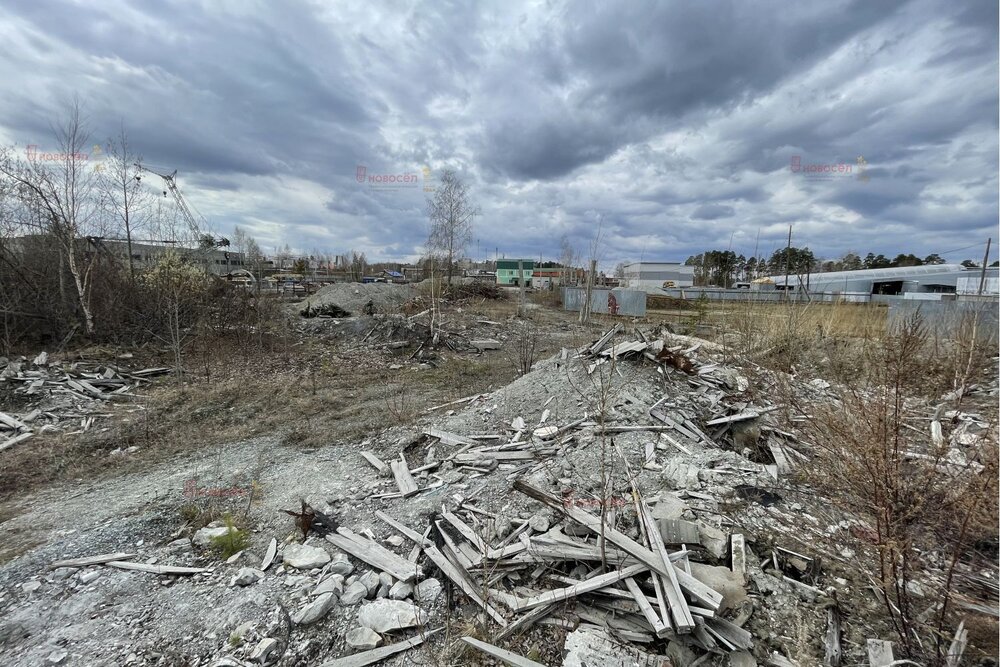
(651, 276)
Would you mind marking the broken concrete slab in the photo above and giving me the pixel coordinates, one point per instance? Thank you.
(363, 639)
(390, 615)
(305, 556)
(315, 610)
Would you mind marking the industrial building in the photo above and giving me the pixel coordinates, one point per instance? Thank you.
(926, 279)
(508, 271)
(657, 275)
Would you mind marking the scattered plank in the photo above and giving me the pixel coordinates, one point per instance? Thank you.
(17, 439)
(451, 571)
(379, 654)
(10, 421)
(592, 584)
(503, 655)
(374, 554)
(378, 463)
(404, 480)
(154, 569)
(92, 560)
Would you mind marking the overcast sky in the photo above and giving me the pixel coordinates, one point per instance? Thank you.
(676, 123)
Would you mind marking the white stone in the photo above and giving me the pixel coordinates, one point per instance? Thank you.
(30, 587)
(539, 523)
(427, 590)
(370, 581)
(400, 590)
(247, 576)
(341, 565)
(263, 650)
(89, 576)
(315, 610)
(389, 615)
(354, 594)
(363, 639)
(204, 536)
(332, 584)
(305, 556)
(56, 657)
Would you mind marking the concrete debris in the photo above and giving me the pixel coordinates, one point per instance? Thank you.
(315, 610)
(247, 576)
(390, 615)
(203, 537)
(355, 593)
(305, 556)
(362, 639)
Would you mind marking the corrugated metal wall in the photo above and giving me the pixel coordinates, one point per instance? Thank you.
(607, 301)
(948, 318)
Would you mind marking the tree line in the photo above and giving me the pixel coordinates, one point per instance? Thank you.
(725, 268)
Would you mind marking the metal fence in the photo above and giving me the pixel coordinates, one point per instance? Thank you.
(631, 303)
(949, 318)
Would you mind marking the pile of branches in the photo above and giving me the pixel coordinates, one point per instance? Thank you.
(474, 290)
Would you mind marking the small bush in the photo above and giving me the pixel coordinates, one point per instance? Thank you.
(232, 542)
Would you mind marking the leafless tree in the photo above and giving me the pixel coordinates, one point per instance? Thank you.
(451, 212)
(59, 188)
(122, 184)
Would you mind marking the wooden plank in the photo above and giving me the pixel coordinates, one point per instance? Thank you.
(154, 569)
(699, 591)
(378, 463)
(587, 586)
(525, 621)
(833, 652)
(92, 560)
(379, 654)
(503, 655)
(10, 421)
(373, 553)
(654, 620)
(404, 480)
(779, 458)
(452, 572)
(739, 555)
(880, 653)
(730, 632)
(466, 531)
(19, 438)
(742, 416)
(683, 621)
(408, 533)
(452, 439)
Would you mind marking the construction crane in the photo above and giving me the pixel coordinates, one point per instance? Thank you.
(171, 182)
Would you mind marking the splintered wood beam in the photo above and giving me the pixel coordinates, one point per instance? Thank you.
(404, 480)
(452, 571)
(503, 655)
(92, 560)
(699, 591)
(379, 654)
(593, 584)
(154, 569)
(374, 554)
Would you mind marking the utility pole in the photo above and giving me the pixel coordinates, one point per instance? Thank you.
(520, 285)
(788, 253)
(585, 307)
(986, 258)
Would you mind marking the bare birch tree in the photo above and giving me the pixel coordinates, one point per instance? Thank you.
(122, 184)
(60, 189)
(451, 213)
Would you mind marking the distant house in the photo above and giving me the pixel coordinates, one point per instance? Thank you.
(393, 276)
(509, 274)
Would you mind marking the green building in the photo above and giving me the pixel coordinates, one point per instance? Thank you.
(507, 271)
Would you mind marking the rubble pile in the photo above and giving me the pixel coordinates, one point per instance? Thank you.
(632, 501)
(361, 298)
(62, 396)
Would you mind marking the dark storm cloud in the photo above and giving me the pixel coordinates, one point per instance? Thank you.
(668, 126)
(712, 212)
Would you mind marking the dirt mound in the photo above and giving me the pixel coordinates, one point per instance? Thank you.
(362, 298)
